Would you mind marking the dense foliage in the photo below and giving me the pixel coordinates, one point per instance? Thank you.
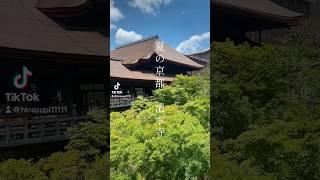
(85, 156)
(137, 152)
(20, 169)
(265, 113)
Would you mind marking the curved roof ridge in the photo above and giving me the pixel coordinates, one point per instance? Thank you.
(138, 41)
(146, 48)
(47, 4)
(118, 70)
(260, 7)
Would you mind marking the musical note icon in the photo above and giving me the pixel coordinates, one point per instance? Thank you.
(117, 86)
(20, 81)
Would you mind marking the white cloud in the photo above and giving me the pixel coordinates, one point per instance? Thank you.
(115, 13)
(195, 43)
(123, 36)
(112, 26)
(149, 6)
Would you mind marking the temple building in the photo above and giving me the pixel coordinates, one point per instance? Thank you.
(133, 69)
(53, 67)
(202, 58)
(247, 20)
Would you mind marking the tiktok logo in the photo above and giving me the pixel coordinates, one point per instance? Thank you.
(116, 89)
(20, 81)
(117, 86)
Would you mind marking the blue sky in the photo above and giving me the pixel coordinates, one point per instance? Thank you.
(183, 24)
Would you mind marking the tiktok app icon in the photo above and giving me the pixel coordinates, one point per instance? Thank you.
(117, 86)
(116, 90)
(20, 81)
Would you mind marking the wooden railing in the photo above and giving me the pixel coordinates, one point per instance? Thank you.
(21, 131)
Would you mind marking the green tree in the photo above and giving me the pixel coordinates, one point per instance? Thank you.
(90, 138)
(137, 150)
(183, 89)
(63, 165)
(98, 170)
(85, 156)
(265, 111)
(20, 170)
(288, 150)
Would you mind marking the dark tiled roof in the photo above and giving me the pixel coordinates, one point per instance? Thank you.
(263, 8)
(64, 8)
(144, 49)
(60, 3)
(201, 56)
(118, 70)
(25, 27)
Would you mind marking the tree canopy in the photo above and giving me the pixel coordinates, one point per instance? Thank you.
(265, 113)
(137, 151)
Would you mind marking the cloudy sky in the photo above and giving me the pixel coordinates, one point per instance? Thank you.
(183, 24)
